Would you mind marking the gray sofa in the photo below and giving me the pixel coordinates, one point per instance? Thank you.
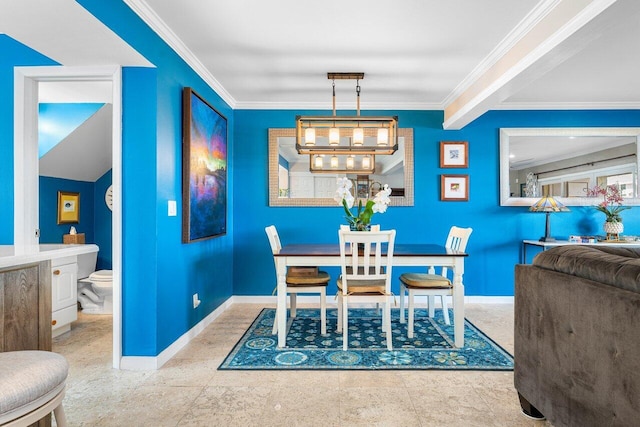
(577, 336)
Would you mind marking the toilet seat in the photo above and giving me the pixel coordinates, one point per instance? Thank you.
(101, 276)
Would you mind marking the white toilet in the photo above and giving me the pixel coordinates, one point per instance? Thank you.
(95, 288)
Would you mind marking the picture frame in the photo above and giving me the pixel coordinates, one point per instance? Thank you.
(68, 207)
(204, 169)
(454, 188)
(454, 154)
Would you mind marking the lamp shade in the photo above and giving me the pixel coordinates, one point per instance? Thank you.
(548, 204)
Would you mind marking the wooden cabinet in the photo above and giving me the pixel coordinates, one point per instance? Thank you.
(25, 307)
(64, 293)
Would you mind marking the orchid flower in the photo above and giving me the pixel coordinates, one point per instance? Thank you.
(362, 218)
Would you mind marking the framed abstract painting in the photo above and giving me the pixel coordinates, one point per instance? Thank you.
(204, 169)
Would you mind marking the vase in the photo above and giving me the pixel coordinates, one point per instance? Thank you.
(613, 228)
(360, 227)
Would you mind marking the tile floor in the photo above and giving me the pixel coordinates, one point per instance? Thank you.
(190, 391)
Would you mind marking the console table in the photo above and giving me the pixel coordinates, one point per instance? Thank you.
(546, 245)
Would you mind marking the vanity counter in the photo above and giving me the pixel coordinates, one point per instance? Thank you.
(10, 257)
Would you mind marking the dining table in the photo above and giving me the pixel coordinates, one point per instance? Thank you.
(421, 255)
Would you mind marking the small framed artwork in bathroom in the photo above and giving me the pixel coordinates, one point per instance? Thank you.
(68, 207)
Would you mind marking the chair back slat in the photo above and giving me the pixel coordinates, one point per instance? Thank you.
(368, 265)
(457, 239)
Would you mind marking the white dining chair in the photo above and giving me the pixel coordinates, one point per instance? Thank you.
(303, 283)
(431, 284)
(365, 276)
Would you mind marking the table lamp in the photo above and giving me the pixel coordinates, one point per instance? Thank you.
(547, 205)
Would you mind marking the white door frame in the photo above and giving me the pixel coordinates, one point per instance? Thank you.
(25, 146)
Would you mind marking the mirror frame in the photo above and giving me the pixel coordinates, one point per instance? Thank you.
(507, 133)
(274, 200)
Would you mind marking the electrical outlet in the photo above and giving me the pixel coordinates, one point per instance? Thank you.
(196, 301)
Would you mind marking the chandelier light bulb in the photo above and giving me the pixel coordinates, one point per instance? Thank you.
(358, 136)
(334, 136)
(318, 162)
(309, 136)
(366, 162)
(350, 162)
(334, 162)
(383, 136)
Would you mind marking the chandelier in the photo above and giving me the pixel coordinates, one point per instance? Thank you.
(345, 143)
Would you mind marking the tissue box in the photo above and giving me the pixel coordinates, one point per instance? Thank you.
(72, 238)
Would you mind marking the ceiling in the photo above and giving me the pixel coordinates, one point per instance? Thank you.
(461, 56)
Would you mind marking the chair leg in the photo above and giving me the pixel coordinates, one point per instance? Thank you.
(275, 324)
(61, 419)
(445, 309)
(323, 312)
(345, 325)
(402, 291)
(339, 322)
(432, 306)
(411, 315)
(293, 302)
(387, 324)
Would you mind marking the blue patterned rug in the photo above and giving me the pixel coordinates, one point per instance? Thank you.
(431, 348)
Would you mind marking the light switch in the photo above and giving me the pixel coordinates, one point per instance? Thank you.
(173, 208)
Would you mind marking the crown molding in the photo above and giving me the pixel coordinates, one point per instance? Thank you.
(148, 15)
(383, 106)
(631, 105)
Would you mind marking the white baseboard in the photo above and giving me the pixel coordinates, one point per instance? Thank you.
(150, 363)
(145, 363)
(331, 300)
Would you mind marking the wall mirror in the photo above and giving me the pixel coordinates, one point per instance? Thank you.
(291, 182)
(564, 162)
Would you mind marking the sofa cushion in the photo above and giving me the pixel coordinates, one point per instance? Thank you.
(615, 266)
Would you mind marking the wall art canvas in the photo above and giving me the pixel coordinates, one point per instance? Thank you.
(204, 169)
(68, 207)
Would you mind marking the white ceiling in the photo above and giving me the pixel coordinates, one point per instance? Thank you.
(461, 56)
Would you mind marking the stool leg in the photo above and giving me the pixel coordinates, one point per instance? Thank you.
(61, 419)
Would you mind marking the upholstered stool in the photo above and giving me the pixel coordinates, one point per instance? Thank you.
(31, 386)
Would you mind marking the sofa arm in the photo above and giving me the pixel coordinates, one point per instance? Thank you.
(576, 348)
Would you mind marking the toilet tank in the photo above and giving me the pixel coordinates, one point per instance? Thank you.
(87, 264)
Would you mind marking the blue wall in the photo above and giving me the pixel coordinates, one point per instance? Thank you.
(102, 222)
(14, 54)
(95, 216)
(160, 273)
(494, 246)
(50, 230)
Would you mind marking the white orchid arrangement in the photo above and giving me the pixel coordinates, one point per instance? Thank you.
(362, 218)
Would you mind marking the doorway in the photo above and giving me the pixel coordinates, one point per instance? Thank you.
(26, 221)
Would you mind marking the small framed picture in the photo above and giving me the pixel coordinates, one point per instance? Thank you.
(454, 154)
(454, 187)
(68, 207)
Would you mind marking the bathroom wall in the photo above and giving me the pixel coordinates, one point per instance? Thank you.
(50, 230)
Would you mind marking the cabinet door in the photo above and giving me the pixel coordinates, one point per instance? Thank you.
(25, 307)
(64, 286)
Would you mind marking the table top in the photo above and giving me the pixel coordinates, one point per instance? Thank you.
(333, 249)
(567, 242)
